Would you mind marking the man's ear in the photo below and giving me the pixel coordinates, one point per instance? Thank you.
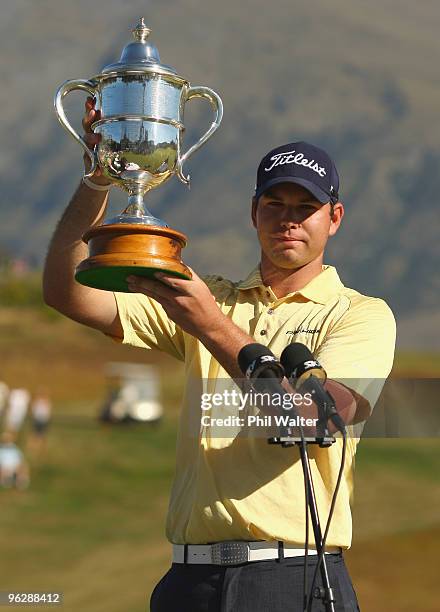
(254, 211)
(338, 213)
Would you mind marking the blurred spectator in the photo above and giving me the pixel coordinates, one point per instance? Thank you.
(4, 391)
(18, 403)
(19, 267)
(41, 408)
(14, 471)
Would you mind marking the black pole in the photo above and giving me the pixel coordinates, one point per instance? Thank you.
(324, 439)
(327, 595)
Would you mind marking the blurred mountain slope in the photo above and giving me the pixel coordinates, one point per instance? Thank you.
(358, 78)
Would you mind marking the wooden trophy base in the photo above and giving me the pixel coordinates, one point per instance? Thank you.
(121, 249)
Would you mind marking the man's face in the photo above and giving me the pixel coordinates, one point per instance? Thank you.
(293, 226)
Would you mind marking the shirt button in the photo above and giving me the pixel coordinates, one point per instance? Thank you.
(270, 311)
(263, 332)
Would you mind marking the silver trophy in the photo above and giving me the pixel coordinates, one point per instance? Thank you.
(142, 105)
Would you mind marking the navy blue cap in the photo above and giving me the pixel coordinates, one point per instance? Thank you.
(303, 164)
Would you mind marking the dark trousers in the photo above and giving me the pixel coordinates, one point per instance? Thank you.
(259, 586)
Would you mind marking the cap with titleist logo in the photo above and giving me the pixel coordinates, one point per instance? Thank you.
(303, 164)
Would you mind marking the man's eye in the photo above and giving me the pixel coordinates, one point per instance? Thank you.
(308, 206)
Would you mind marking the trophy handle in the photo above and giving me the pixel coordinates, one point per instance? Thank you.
(66, 88)
(217, 105)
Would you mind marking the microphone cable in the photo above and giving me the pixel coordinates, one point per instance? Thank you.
(329, 519)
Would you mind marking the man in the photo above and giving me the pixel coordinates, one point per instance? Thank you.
(240, 488)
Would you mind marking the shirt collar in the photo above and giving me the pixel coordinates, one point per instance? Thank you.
(320, 289)
(252, 280)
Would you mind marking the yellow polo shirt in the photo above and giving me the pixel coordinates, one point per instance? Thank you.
(242, 488)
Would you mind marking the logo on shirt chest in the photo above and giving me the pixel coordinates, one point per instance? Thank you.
(300, 330)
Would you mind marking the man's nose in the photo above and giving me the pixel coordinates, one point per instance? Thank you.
(290, 218)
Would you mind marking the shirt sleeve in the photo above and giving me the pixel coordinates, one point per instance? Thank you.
(146, 325)
(359, 350)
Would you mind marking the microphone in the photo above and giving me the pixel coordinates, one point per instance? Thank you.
(265, 372)
(261, 368)
(256, 361)
(306, 374)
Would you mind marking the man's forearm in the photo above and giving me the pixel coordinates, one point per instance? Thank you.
(224, 342)
(67, 250)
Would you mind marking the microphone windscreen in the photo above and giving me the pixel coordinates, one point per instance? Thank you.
(294, 355)
(250, 353)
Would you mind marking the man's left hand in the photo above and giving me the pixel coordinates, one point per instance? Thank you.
(189, 303)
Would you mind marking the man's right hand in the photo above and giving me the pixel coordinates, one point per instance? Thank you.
(91, 139)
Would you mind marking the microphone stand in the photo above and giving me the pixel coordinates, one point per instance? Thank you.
(286, 439)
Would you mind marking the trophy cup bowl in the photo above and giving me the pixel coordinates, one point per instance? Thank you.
(142, 104)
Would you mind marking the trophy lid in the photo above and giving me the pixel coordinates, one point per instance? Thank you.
(140, 54)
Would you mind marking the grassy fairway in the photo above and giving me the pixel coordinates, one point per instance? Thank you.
(92, 522)
(393, 559)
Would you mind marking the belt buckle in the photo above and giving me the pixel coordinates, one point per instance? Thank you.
(229, 553)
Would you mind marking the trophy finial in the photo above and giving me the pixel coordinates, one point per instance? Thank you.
(141, 32)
